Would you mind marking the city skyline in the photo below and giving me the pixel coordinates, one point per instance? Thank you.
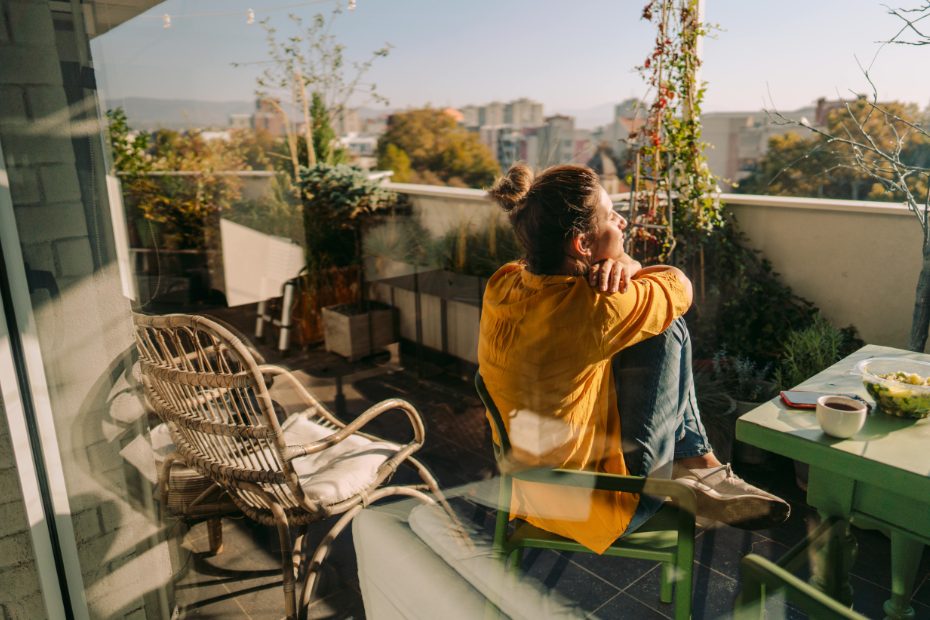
(497, 52)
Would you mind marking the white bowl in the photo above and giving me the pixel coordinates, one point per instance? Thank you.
(840, 423)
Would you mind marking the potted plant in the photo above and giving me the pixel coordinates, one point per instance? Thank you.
(808, 351)
(748, 383)
(337, 200)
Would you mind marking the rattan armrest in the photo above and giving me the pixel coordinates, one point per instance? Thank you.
(680, 494)
(309, 399)
(419, 432)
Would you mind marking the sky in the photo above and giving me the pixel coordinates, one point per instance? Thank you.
(568, 54)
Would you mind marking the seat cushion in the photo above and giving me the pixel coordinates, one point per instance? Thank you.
(425, 589)
(341, 471)
(468, 550)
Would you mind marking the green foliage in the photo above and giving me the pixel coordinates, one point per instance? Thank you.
(746, 309)
(192, 190)
(743, 378)
(808, 351)
(469, 250)
(478, 252)
(336, 202)
(253, 146)
(741, 304)
(438, 150)
(401, 239)
(130, 157)
(280, 213)
(396, 159)
(671, 148)
(713, 398)
(818, 167)
(327, 149)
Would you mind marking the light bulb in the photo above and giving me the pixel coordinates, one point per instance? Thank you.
(250, 16)
(352, 5)
(166, 21)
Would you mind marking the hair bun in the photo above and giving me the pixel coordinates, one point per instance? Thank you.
(511, 189)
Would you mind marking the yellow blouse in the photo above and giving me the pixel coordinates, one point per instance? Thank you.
(544, 352)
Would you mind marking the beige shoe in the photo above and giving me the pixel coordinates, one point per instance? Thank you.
(725, 497)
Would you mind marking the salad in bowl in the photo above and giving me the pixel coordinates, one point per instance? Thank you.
(900, 387)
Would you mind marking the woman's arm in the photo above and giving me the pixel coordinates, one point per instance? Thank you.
(685, 282)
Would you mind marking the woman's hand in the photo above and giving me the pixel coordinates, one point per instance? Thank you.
(613, 275)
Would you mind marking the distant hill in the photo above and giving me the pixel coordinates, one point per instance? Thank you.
(150, 113)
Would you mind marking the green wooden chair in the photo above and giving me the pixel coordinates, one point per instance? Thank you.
(668, 537)
(762, 578)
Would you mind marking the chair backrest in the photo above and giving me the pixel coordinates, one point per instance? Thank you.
(203, 381)
(502, 449)
(501, 452)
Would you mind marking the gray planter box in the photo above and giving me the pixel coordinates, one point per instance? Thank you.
(354, 333)
(446, 305)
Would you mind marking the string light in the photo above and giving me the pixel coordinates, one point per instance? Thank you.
(250, 17)
(166, 21)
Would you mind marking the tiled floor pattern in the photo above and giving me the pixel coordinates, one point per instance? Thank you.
(244, 580)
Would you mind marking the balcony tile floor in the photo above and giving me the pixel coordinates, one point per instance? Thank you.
(244, 580)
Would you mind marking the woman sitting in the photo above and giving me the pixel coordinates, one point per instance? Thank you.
(586, 355)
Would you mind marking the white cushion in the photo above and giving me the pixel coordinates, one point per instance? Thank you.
(330, 476)
(426, 588)
(341, 471)
(472, 557)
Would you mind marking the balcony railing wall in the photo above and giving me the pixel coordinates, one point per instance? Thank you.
(857, 261)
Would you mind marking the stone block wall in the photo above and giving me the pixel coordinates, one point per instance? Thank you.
(20, 595)
(57, 184)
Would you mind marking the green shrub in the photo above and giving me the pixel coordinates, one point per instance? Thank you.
(399, 238)
(478, 253)
(280, 213)
(745, 308)
(743, 378)
(336, 202)
(808, 351)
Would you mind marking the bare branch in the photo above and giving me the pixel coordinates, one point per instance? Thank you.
(910, 25)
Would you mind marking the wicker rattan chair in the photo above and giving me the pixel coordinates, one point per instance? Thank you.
(204, 383)
(188, 495)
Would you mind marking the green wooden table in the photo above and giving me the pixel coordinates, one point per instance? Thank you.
(878, 479)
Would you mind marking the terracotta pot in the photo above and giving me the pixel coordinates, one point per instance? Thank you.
(338, 285)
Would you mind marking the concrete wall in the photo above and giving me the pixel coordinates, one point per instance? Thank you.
(444, 209)
(53, 153)
(857, 261)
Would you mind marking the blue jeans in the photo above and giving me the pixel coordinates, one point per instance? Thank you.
(659, 419)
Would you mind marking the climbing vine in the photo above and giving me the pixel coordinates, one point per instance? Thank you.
(675, 199)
